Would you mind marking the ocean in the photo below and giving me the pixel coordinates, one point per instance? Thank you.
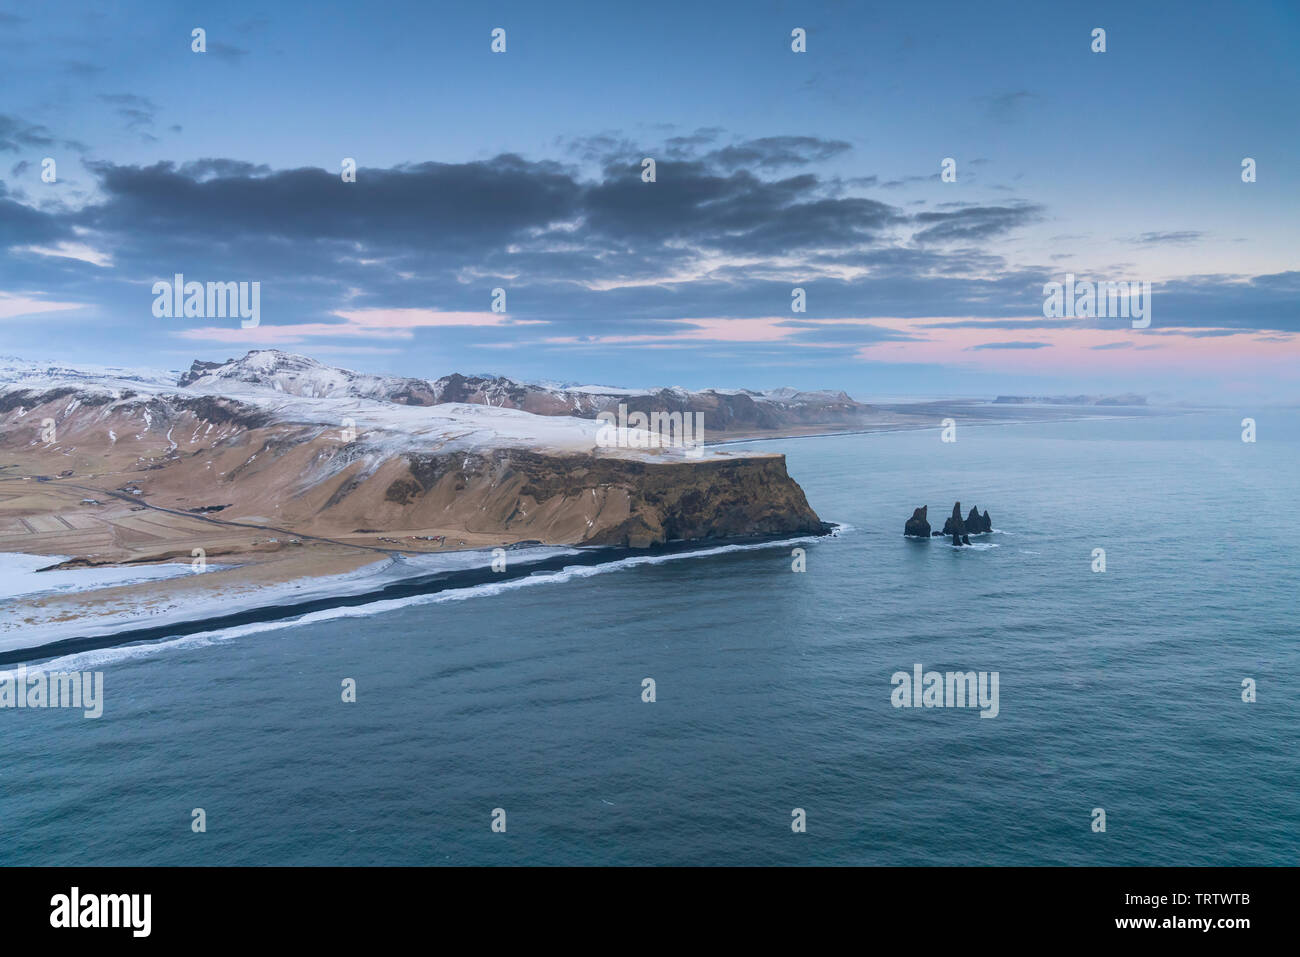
(1119, 690)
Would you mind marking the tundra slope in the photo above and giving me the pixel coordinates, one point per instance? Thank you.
(282, 442)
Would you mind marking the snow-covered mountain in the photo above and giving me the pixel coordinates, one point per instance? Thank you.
(724, 409)
(14, 369)
(303, 376)
(272, 372)
(283, 441)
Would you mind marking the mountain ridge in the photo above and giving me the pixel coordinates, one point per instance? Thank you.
(724, 409)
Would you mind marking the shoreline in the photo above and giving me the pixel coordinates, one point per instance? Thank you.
(328, 573)
(420, 584)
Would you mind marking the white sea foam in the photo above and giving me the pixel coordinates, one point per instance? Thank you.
(99, 657)
(17, 634)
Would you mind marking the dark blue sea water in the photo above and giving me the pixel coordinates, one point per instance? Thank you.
(1119, 690)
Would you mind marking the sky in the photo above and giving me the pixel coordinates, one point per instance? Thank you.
(774, 170)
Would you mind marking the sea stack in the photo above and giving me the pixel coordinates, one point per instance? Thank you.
(956, 526)
(973, 524)
(961, 529)
(977, 524)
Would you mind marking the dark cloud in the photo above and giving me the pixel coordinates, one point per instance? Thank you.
(689, 143)
(226, 51)
(736, 213)
(139, 112)
(130, 100)
(599, 148)
(1005, 107)
(908, 180)
(774, 152)
(15, 134)
(591, 253)
(974, 222)
(1183, 238)
(614, 149)
(470, 207)
(22, 225)
(81, 68)
(1195, 333)
(205, 169)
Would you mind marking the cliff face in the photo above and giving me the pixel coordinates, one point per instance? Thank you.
(237, 463)
(597, 500)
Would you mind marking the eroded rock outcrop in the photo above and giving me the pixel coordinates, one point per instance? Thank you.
(954, 525)
(977, 524)
(917, 526)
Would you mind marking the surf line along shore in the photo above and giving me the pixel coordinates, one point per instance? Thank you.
(417, 585)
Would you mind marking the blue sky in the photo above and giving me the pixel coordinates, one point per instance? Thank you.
(775, 169)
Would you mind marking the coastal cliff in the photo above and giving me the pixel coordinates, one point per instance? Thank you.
(448, 477)
(598, 500)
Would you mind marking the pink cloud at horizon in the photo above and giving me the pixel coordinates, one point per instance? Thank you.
(1078, 350)
(15, 307)
(1068, 349)
(762, 329)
